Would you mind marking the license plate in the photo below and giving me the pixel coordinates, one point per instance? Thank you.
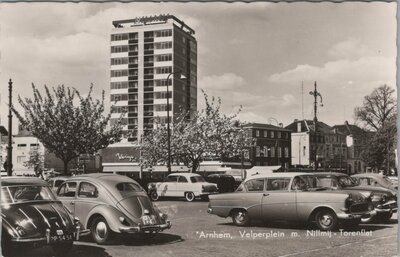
(60, 238)
(147, 220)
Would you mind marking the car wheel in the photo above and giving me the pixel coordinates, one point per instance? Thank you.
(326, 220)
(384, 217)
(100, 230)
(189, 196)
(240, 218)
(154, 196)
(62, 249)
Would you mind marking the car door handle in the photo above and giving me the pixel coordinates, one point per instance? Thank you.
(265, 194)
(71, 203)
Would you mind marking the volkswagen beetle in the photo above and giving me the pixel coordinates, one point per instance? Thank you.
(32, 216)
(110, 204)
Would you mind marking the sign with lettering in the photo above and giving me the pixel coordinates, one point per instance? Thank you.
(121, 154)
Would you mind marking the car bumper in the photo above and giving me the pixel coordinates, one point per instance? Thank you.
(207, 193)
(47, 238)
(147, 228)
(350, 216)
(390, 206)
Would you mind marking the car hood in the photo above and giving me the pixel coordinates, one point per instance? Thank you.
(134, 207)
(380, 190)
(35, 218)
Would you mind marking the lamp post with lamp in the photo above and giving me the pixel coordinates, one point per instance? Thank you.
(168, 122)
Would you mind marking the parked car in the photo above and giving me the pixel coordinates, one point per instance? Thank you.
(188, 185)
(225, 183)
(290, 197)
(32, 216)
(384, 200)
(110, 204)
(373, 179)
(55, 182)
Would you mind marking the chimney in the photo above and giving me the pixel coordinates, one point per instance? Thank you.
(299, 126)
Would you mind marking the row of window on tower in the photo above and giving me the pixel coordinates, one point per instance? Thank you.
(147, 71)
(147, 34)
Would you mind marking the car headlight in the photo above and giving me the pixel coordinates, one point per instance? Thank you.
(384, 199)
(163, 216)
(21, 231)
(348, 202)
(124, 221)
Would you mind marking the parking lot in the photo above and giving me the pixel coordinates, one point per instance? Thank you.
(197, 233)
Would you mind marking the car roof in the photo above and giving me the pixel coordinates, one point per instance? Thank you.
(184, 174)
(336, 174)
(60, 177)
(104, 177)
(370, 175)
(22, 181)
(278, 174)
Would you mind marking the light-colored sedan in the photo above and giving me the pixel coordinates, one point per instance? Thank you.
(188, 185)
(375, 180)
(108, 204)
(290, 197)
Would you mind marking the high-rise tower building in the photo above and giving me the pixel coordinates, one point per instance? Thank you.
(145, 52)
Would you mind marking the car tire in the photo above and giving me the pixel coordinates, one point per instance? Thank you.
(384, 217)
(189, 196)
(326, 220)
(240, 218)
(101, 232)
(62, 249)
(154, 196)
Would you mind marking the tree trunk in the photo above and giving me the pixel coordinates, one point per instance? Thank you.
(195, 166)
(66, 167)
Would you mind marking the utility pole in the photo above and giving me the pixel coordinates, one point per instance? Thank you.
(315, 94)
(9, 148)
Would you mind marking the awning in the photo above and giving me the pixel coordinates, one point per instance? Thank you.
(119, 168)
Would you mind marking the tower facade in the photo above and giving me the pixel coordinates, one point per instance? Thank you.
(151, 56)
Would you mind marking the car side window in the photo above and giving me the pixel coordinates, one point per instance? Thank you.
(277, 184)
(255, 185)
(88, 190)
(182, 179)
(67, 189)
(171, 179)
(364, 181)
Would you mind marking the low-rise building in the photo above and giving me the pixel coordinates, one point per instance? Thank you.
(326, 146)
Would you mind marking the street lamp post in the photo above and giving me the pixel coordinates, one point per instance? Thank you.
(168, 122)
(9, 148)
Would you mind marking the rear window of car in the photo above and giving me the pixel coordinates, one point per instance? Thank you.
(19, 194)
(196, 179)
(126, 188)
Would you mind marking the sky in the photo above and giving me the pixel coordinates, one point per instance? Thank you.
(254, 55)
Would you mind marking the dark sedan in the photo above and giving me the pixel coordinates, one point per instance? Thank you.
(384, 200)
(32, 216)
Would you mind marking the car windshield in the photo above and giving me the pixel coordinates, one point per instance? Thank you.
(387, 180)
(196, 179)
(346, 181)
(306, 182)
(328, 182)
(126, 188)
(18, 194)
